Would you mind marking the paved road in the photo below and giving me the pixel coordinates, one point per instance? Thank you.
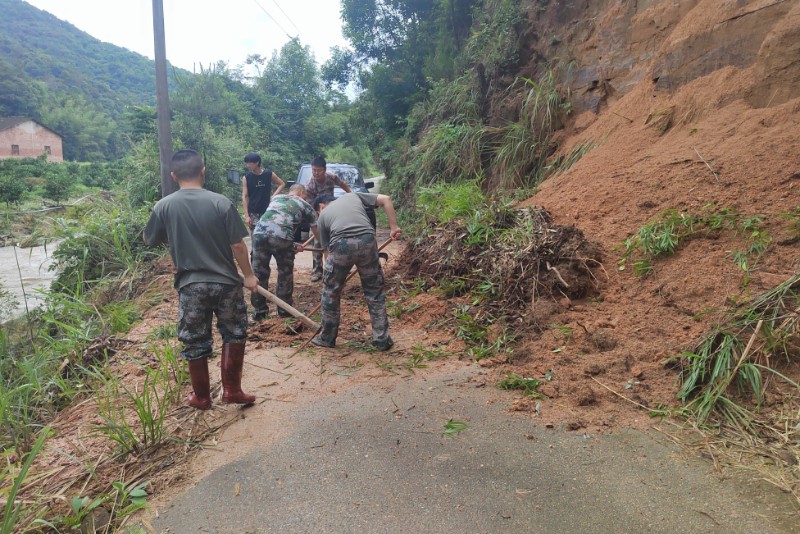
(372, 459)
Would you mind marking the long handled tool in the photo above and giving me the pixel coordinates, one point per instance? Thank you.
(351, 275)
(288, 307)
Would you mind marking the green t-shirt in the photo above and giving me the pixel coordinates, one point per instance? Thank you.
(200, 227)
(346, 217)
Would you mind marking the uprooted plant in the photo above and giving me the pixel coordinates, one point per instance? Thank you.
(664, 236)
(743, 357)
(726, 377)
(503, 261)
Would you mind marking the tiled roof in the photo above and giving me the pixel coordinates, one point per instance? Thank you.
(10, 122)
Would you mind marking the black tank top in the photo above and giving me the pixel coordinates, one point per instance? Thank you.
(259, 189)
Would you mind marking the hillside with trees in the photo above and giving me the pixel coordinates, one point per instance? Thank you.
(599, 210)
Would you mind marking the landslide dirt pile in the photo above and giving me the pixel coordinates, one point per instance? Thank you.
(512, 257)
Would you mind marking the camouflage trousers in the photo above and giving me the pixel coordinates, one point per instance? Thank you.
(264, 249)
(254, 218)
(361, 251)
(316, 262)
(197, 303)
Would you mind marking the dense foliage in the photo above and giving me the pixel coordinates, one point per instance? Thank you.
(430, 73)
(75, 84)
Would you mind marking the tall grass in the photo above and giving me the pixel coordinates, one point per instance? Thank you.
(105, 241)
(729, 365)
(148, 406)
(75, 328)
(440, 203)
(12, 508)
(520, 149)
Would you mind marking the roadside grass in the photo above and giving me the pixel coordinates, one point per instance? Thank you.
(528, 386)
(726, 374)
(665, 235)
(57, 356)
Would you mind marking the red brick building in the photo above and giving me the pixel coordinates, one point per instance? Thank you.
(21, 137)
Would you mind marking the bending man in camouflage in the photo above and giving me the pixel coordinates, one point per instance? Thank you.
(347, 233)
(273, 236)
(205, 232)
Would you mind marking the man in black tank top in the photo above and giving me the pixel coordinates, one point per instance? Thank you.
(257, 189)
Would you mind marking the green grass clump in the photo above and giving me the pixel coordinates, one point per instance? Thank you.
(441, 203)
(513, 381)
(664, 236)
(729, 364)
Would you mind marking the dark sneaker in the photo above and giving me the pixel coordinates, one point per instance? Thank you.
(316, 277)
(320, 343)
(383, 345)
(257, 317)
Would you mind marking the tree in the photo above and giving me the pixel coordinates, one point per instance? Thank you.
(58, 183)
(11, 189)
(88, 134)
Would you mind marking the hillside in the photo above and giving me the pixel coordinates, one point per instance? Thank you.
(77, 85)
(692, 107)
(67, 59)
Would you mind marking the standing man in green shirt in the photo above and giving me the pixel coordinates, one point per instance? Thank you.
(205, 232)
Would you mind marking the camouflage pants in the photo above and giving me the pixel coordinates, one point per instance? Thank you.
(316, 264)
(254, 218)
(264, 249)
(197, 303)
(361, 251)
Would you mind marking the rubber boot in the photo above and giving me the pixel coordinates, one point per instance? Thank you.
(232, 362)
(198, 372)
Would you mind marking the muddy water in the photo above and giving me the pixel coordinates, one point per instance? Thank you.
(23, 273)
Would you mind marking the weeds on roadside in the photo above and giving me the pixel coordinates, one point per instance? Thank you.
(528, 386)
(427, 354)
(164, 331)
(452, 428)
(737, 356)
(150, 405)
(12, 509)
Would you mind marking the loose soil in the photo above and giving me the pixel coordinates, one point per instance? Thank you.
(726, 138)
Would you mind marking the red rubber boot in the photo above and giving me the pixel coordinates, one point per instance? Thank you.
(232, 362)
(198, 372)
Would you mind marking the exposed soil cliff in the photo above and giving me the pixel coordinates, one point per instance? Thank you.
(688, 104)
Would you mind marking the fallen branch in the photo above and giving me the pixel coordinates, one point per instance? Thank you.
(716, 177)
(621, 396)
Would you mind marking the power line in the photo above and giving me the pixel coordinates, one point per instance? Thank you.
(273, 19)
(286, 15)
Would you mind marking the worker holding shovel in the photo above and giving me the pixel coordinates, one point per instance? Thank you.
(205, 232)
(273, 236)
(347, 233)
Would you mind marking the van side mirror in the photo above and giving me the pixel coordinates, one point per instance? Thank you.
(369, 185)
(234, 177)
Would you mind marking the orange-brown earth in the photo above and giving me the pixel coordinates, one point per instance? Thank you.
(688, 104)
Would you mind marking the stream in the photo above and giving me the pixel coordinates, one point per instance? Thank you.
(23, 273)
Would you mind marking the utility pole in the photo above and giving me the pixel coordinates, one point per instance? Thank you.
(162, 99)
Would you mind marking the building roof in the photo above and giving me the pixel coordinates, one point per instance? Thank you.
(9, 122)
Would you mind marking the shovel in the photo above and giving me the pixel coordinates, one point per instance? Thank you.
(287, 307)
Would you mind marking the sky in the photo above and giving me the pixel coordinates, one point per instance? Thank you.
(202, 32)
